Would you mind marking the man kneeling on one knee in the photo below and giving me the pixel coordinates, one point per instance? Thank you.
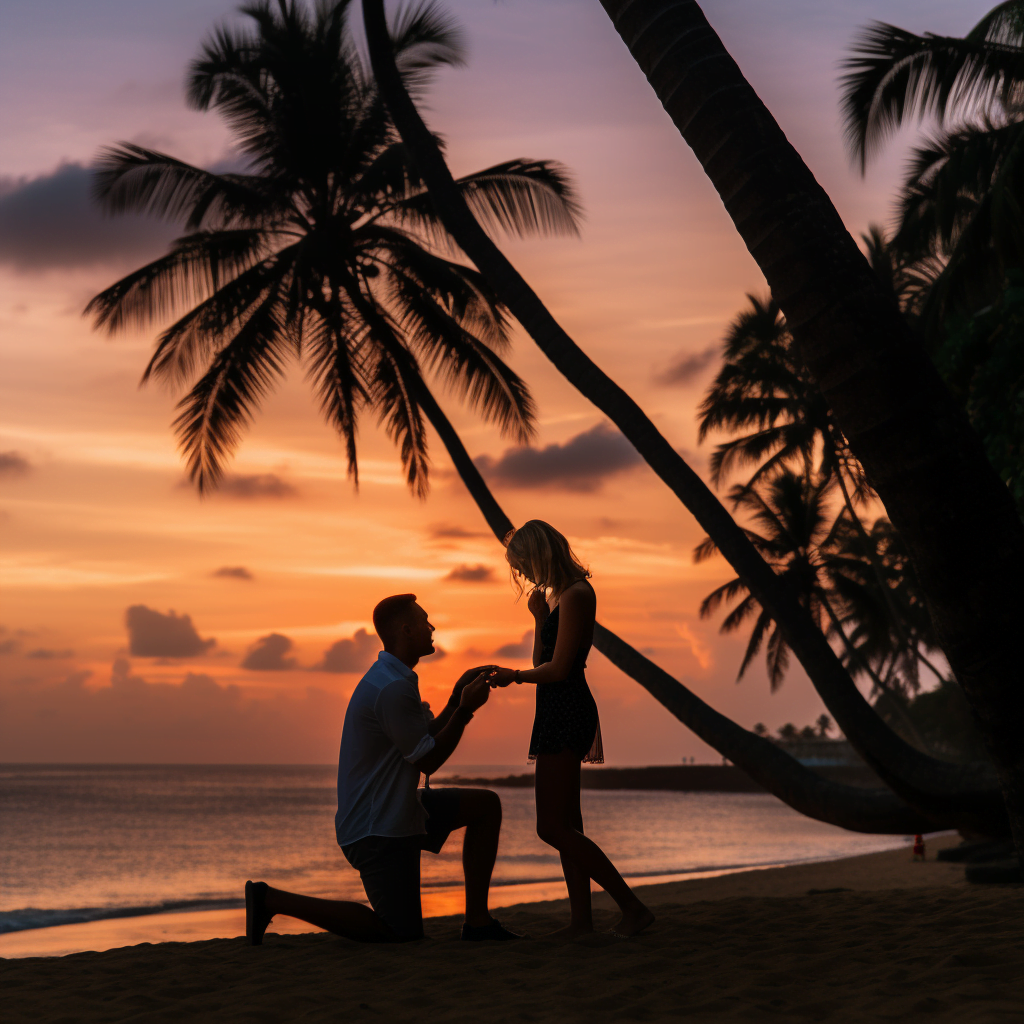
(383, 821)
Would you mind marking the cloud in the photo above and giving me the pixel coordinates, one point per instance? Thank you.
(14, 464)
(581, 464)
(517, 651)
(268, 654)
(51, 222)
(257, 485)
(48, 654)
(9, 646)
(351, 655)
(471, 574)
(443, 531)
(688, 366)
(232, 572)
(152, 634)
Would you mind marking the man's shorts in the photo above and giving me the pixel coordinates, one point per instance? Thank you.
(389, 866)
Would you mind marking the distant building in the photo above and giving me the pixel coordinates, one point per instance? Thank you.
(822, 752)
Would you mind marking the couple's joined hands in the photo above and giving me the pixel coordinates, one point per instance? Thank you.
(474, 687)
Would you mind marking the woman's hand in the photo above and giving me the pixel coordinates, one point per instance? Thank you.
(502, 676)
(537, 603)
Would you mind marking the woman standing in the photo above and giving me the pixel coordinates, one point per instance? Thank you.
(566, 729)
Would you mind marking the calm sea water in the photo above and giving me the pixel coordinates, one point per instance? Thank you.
(82, 843)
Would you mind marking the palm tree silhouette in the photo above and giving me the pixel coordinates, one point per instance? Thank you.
(790, 519)
(326, 250)
(961, 201)
(762, 388)
(763, 391)
(823, 560)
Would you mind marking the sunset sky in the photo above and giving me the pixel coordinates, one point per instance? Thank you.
(103, 538)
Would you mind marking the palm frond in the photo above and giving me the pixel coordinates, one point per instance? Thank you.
(894, 76)
(197, 265)
(338, 372)
(200, 332)
(757, 635)
(394, 387)
(223, 401)
(424, 38)
(132, 179)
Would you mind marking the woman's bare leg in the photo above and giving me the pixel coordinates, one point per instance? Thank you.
(557, 789)
(563, 803)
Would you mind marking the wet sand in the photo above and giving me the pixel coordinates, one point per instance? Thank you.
(898, 940)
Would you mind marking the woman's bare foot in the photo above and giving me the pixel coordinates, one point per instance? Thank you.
(570, 931)
(257, 917)
(633, 921)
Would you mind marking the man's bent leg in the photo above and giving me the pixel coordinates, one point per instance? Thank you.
(480, 813)
(342, 917)
(390, 871)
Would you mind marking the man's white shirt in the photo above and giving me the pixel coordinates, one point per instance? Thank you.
(386, 731)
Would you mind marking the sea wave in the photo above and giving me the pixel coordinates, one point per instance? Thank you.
(28, 918)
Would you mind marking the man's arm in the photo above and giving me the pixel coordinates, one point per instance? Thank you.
(441, 720)
(473, 696)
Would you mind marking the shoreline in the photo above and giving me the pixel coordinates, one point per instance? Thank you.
(226, 918)
(680, 778)
(871, 937)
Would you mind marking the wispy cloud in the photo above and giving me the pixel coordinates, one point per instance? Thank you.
(13, 464)
(581, 464)
(232, 572)
(688, 366)
(471, 574)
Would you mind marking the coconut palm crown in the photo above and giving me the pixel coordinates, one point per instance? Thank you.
(325, 249)
(961, 201)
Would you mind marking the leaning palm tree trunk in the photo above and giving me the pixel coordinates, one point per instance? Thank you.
(917, 448)
(851, 807)
(933, 786)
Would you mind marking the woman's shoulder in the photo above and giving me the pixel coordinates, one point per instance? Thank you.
(580, 594)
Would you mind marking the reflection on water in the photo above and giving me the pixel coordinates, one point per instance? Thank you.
(81, 842)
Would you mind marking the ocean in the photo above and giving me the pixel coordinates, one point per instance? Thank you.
(82, 843)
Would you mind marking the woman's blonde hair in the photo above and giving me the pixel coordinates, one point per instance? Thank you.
(538, 552)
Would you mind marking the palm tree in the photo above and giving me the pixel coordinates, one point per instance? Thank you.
(763, 392)
(962, 197)
(924, 781)
(805, 546)
(326, 250)
(792, 514)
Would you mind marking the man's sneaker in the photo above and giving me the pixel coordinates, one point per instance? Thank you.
(494, 930)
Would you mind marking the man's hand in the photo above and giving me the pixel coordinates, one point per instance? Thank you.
(469, 675)
(537, 603)
(502, 676)
(427, 713)
(475, 693)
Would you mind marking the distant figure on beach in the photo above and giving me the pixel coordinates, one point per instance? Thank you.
(566, 728)
(383, 821)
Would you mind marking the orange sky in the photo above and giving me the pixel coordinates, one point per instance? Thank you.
(93, 512)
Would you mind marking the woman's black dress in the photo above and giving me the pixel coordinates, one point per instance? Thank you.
(566, 717)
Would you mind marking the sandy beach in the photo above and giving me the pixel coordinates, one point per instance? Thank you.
(876, 937)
